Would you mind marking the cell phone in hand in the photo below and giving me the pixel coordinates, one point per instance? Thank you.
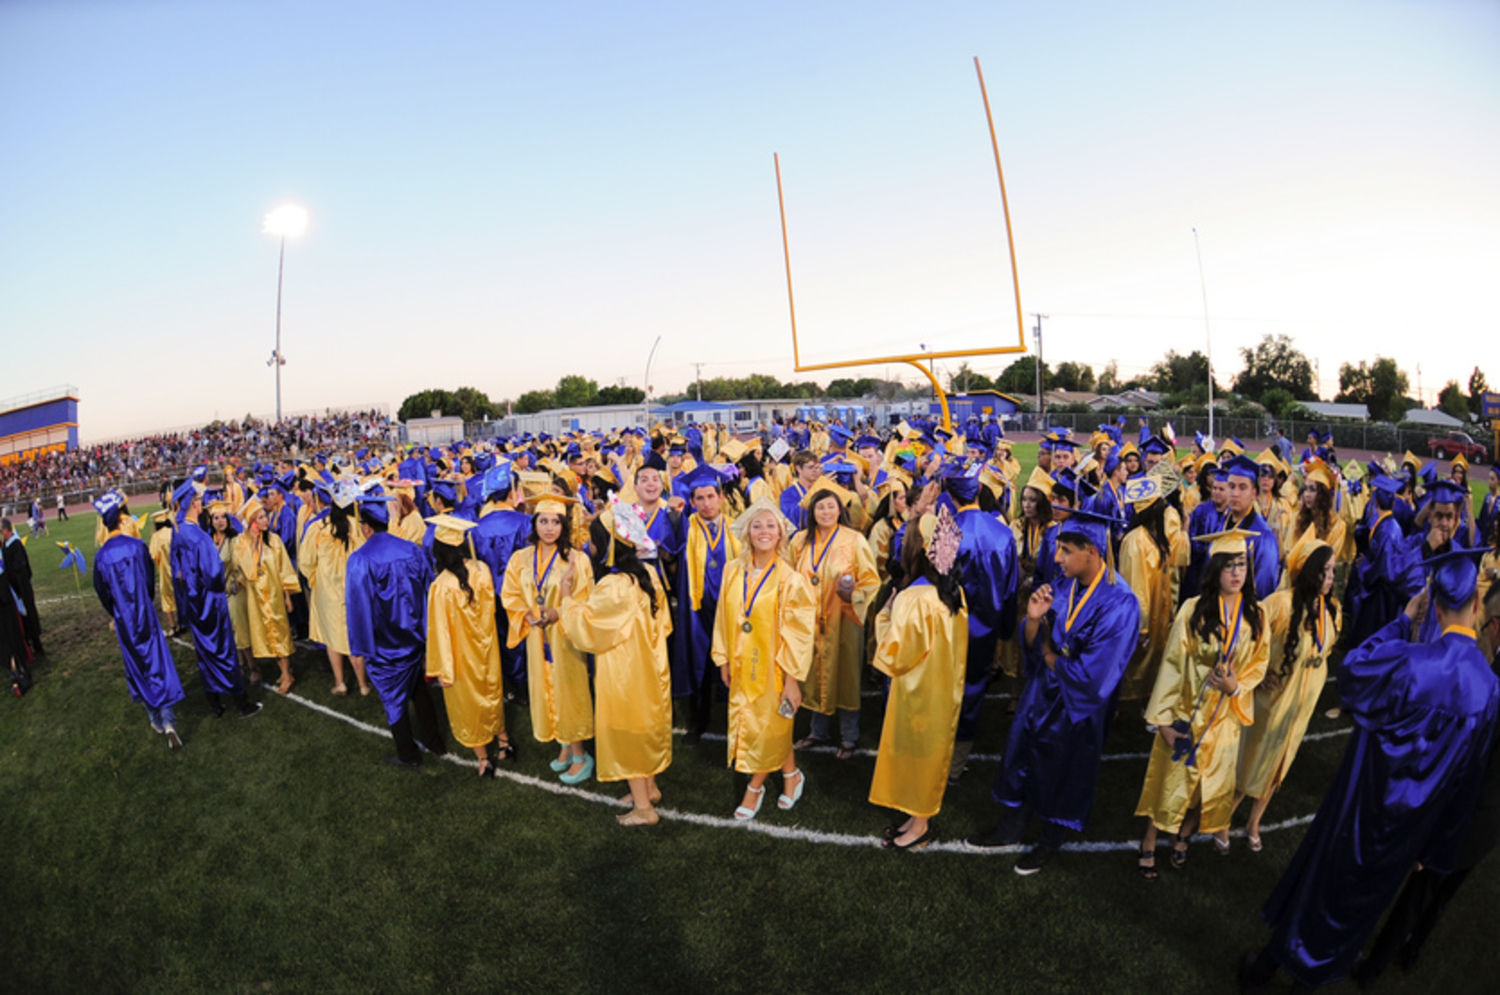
(785, 709)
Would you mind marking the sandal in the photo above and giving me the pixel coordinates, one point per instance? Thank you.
(1221, 846)
(807, 742)
(486, 769)
(1179, 856)
(1254, 840)
(506, 750)
(787, 800)
(339, 689)
(845, 751)
(1148, 871)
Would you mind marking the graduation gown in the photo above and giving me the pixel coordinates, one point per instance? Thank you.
(838, 646)
(1268, 747)
(709, 547)
(18, 572)
(1424, 718)
(1051, 759)
(161, 556)
(323, 562)
(1173, 787)
(235, 592)
(1033, 542)
(1382, 581)
(499, 532)
(791, 503)
(783, 625)
(921, 646)
(198, 574)
(385, 592)
(1149, 575)
(1263, 552)
(124, 578)
(463, 653)
(1204, 519)
(632, 681)
(268, 576)
(987, 571)
(562, 710)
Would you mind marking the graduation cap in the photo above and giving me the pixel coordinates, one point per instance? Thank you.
(1092, 527)
(497, 479)
(961, 481)
(450, 530)
(375, 504)
(1446, 492)
(186, 491)
(1040, 481)
(1155, 445)
(1454, 575)
(867, 442)
(702, 475)
(1428, 474)
(733, 449)
(1229, 541)
(840, 434)
(1298, 556)
(447, 490)
(1241, 466)
(1410, 457)
(1232, 446)
(483, 461)
(1353, 471)
(1315, 471)
(1063, 441)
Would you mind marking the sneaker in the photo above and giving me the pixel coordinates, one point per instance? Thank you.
(174, 741)
(250, 708)
(1032, 860)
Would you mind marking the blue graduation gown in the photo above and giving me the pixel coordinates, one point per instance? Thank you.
(1051, 760)
(1264, 553)
(988, 573)
(694, 630)
(125, 580)
(284, 524)
(385, 590)
(499, 534)
(791, 504)
(1204, 519)
(198, 583)
(1382, 581)
(1424, 717)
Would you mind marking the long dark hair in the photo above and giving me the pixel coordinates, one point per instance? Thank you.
(338, 524)
(1205, 622)
(1308, 602)
(626, 562)
(1321, 513)
(451, 559)
(565, 539)
(1153, 518)
(914, 564)
(811, 525)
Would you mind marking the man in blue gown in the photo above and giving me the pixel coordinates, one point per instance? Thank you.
(125, 580)
(1383, 578)
(706, 549)
(1078, 641)
(385, 591)
(501, 531)
(198, 584)
(988, 573)
(1264, 551)
(1424, 717)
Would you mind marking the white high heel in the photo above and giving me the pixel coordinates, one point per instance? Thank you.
(785, 802)
(746, 814)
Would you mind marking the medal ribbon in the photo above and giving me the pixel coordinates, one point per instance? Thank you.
(541, 579)
(812, 548)
(1072, 611)
(745, 595)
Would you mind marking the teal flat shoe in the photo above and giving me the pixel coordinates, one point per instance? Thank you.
(583, 775)
(561, 765)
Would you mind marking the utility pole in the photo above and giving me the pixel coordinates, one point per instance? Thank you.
(1318, 373)
(1420, 398)
(1041, 399)
(699, 368)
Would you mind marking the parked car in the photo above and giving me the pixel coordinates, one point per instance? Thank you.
(1450, 445)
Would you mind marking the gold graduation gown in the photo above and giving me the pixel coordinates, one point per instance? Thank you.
(923, 647)
(268, 575)
(1268, 747)
(1148, 574)
(411, 528)
(1173, 788)
(463, 653)
(838, 647)
(1180, 548)
(161, 552)
(632, 679)
(235, 594)
(881, 535)
(562, 710)
(1190, 499)
(782, 620)
(323, 560)
(127, 526)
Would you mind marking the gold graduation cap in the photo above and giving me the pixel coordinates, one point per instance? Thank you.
(1268, 458)
(733, 449)
(1040, 481)
(548, 503)
(1410, 457)
(1297, 557)
(1229, 541)
(827, 484)
(534, 482)
(1315, 471)
(1231, 447)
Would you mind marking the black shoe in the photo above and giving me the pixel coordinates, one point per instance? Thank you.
(396, 761)
(1001, 835)
(249, 708)
(218, 708)
(1032, 860)
(917, 844)
(505, 751)
(174, 741)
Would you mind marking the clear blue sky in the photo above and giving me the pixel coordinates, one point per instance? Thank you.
(504, 193)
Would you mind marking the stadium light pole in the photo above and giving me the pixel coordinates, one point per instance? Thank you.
(286, 221)
(647, 383)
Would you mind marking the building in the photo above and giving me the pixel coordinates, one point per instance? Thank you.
(41, 422)
(1339, 412)
(1434, 418)
(979, 404)
(435, 431)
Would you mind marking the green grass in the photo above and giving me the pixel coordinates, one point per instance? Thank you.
(279, 854)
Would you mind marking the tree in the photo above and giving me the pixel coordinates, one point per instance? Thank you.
(964, 379)
(575, 392)
(467, 403)
(1453, 401)
(845, 387)
(1381, 386)
(1072, 376)
(1020, 377)
(1180, 374)
(1278, 400)
(1109, 380)
(1477, 388)
(535, 400)
(473, 405)
(1273, 363)
(619, 395)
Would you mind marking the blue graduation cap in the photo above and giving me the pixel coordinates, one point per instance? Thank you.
(961, 481)
(497, 479)
(1384, 484)
(447, 490)
(841, 470)
(186, 491)
(108, 506)
(1154, 444)
(1454, 575)
(702, 475)
(867, 442)
(1446, 492)
(1092, 527)
(1428, 474)
(1241, 466)
(483, 461)
(840, 434)
(375, 504)
(362, 453)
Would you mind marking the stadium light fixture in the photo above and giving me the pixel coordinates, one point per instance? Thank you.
(286, 221)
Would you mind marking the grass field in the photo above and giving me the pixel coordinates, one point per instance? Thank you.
(280, 854)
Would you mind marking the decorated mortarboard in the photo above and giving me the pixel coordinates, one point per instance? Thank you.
(497, 479)
(200, 473)
(1454, 575)
(186, 491)
(1241, 466)
(962, 481)
(1229, 541)
(1155, 445)
(1091, 527)
(345, 491)
(627, 524)
(1353, 471)
(1142, 490)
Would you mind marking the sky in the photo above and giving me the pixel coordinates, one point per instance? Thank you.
(502, 193)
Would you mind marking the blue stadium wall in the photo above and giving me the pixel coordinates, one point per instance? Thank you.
(38, 428)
